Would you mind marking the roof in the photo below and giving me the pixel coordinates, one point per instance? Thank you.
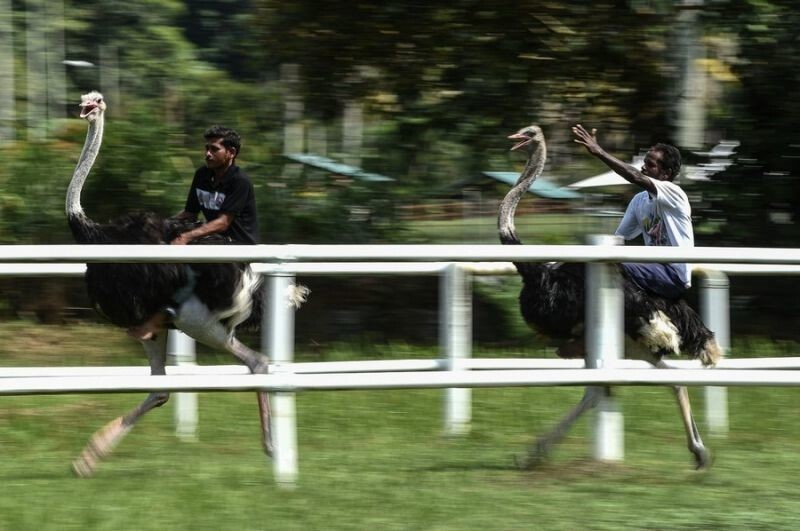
(329, 165)
(541, 187)
(608, 178)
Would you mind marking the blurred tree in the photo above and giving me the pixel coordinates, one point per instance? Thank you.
(30, 210)
(757, 201)
(150, 42)
(223, 32)
(441, 82)
(446, 79)
(439, 85)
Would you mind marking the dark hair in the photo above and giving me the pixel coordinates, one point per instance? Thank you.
(230, 138)
(670, 159)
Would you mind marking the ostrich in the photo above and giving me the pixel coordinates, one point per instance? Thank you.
(552, 301)
(220, 296)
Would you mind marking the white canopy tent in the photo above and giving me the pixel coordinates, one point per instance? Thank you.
(606, 179)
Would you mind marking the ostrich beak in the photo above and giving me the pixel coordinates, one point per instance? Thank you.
(86, 108)
(523, 138)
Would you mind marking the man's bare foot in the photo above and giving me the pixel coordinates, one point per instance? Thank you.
(148, 329)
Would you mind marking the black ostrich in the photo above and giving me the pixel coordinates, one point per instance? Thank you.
(552, 301)
(222, 295)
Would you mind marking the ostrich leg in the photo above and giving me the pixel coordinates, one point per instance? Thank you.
(702, 457)
(196, 320)
(105, 439)
(540, 449)
(266, 434)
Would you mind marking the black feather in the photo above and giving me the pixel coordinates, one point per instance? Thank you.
(553, 298)
(127, 294)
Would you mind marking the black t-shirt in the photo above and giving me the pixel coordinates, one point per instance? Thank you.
(233, 195)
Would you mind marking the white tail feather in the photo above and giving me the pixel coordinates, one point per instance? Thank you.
(242, 300)
(711, 353)
(659, 333)
(296, 295)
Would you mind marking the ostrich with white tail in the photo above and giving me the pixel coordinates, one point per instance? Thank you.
(552, 301)
(215, 298)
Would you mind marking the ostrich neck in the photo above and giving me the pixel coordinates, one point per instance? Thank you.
(508, 207)
(75, 214)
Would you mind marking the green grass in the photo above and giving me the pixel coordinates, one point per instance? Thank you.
(531, 229)
(378, 460)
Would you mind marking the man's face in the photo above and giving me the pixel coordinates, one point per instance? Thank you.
(652, 166)
(217, 155)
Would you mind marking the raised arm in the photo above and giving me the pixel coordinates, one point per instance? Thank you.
(625, 170)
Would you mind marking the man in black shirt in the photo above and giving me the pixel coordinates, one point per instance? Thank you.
(225, 196)
(222, 192)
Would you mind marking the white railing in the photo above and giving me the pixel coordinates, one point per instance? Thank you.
(389, 253)
(281, 263)
(389, 366)
(291, 383)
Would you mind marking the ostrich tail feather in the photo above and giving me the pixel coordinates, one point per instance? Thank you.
(711, 353)
(297, 294)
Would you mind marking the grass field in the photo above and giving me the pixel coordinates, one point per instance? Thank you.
(378, 459)
(532, 229)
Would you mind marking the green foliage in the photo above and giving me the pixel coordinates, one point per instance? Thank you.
(757, 201)
(31, 209)
(440, 84)
(136, 169)
(223, 32)
(143, 36)
(342, 211)
(448, 78)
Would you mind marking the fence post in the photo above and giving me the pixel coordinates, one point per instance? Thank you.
(604, 346)
(455, 330)
(277, 339)
(181, 351)
(715, 307)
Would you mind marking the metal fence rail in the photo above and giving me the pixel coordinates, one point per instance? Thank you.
(350, 367)
(456, 371)
(388, 253)
(290, 383)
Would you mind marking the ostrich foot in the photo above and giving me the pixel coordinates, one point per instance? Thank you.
(536, 456)
(99, 446)
(269, 448)
(703, 459)
(85, 465)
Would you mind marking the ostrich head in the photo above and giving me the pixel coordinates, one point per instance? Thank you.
(92, 105)
(528, 138)
(93, 108)
(531, 141)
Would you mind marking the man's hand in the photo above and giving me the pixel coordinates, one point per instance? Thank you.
(183, 239)
(587, 139)
(218, 225)
(626, 171)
